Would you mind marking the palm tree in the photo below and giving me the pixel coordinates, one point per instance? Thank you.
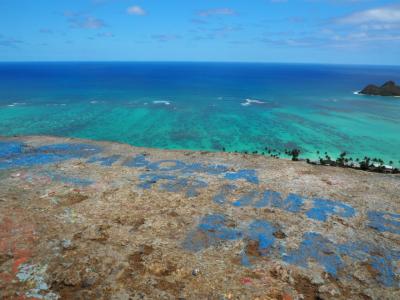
(295, 154)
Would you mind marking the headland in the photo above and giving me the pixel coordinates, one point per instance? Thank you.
(84, 219)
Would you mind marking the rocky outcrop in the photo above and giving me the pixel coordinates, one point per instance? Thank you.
(388, 89)
(95, 220)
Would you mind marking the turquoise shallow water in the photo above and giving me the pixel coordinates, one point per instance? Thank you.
(203, 106)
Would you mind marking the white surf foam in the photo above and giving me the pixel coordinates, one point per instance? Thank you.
(162, 102)
(249, 102)
(358, 93)
(56, 104)
(16, 104)
(331, 100)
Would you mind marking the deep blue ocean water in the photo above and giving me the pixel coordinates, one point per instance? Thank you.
(205, 106)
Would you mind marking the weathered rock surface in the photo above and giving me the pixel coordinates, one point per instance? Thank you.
(388, 89)
(97, 220)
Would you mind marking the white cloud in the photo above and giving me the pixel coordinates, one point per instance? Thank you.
(363, 37)
(217, 11)
(386, 14)
(9, 42)
(87, 22)
(92, 23)
(136, 10)
(105, 34)
(165, 37)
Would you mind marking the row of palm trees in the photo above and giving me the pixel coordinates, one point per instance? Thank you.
(366, 164)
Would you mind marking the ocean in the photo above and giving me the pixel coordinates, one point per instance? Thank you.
(206, 106)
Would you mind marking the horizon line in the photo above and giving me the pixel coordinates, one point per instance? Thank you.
(199, 61)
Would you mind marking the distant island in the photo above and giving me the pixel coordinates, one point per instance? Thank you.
(388, 89)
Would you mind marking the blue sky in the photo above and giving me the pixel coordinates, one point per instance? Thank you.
(319, 31)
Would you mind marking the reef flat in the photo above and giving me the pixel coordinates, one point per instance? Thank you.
(99, 220)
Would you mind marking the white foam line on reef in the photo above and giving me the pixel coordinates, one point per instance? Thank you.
(358, 93)
(97, 102)
(16, 103)
(162, 102)
(248, 102)
(56, 104)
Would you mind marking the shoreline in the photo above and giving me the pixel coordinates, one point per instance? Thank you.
(360, 94)
(321, 158)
